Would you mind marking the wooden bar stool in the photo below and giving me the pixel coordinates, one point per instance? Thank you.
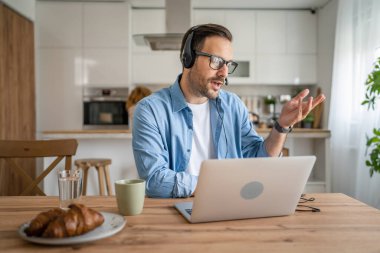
(102, 167)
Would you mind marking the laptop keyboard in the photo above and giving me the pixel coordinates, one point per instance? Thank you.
(189, 211)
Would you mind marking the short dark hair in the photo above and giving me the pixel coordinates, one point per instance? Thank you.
(201, 32)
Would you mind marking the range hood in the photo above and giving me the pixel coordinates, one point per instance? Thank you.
(178, 21)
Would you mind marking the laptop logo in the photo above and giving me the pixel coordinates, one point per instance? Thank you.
(251, 190)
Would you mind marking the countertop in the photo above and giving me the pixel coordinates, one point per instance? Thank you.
(127, 134)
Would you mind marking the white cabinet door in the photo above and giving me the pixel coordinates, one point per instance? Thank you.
(291, 32)
(242, 26)
(301, 32)
(148, 21)
(59, 93)
(104, 67)
(106, 25)
(240, 23)
(209, 16)
(59, 24)
(156, 67)
(105, 44)
(271, 32)
(286, 47)
(285, 69)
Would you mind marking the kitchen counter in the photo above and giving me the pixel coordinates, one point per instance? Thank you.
(117, 146)
(127, 134)
(88, 134)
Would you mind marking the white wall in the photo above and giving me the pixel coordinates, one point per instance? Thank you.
(326, 40)
(26, 8)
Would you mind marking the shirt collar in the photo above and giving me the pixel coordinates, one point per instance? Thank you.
(178, 99)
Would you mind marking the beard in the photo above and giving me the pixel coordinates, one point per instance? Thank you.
(201, 86)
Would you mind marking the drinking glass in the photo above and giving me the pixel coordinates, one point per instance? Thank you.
(70, 187)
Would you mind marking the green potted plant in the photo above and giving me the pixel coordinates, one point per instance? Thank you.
(307, 122)
(373, 142)
(270, 103)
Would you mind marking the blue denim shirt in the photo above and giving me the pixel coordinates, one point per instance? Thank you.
(162, 138)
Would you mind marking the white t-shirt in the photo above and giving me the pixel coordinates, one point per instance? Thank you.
(202, 144)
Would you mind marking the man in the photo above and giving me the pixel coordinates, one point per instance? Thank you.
(176, 128)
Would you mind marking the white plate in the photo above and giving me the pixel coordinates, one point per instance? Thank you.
(112, 224)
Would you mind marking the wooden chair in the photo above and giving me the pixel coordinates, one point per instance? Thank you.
(10, 149)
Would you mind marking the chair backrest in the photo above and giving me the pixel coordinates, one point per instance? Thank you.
(10, 149)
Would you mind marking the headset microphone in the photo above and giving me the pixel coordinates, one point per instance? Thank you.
(225, 81)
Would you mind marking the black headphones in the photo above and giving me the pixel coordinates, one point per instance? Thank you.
(188, 54)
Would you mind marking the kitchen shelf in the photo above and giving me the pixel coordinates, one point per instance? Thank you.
(300, 133)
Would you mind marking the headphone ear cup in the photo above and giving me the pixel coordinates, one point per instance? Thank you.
(188, 55)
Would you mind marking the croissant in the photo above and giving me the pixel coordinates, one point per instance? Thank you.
(78, 220)
(38, 225)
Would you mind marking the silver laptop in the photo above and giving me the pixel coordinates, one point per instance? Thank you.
(232, 189)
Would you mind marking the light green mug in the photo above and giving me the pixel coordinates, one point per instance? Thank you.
(130, 195)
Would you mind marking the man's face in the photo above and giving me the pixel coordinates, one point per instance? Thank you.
(205, 82)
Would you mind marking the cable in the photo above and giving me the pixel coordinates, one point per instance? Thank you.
(224, 129)
(308, 208)
(305, 208)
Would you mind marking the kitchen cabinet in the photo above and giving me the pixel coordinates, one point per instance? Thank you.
(209, 16)
(99, 30)
(271, 32)
(286, 32)
(105, 25)
(60, 91)
(285, 69)
(240, 23)
(274, 47)
(59, 24)
(106, 44)
(286, 47)
(78, 44)
(157, 67)
(60, 64)
(105, 67)
(301, 27)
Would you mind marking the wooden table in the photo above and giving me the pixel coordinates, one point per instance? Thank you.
(343, 225)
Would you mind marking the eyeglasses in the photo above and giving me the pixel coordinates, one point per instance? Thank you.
(217, 62)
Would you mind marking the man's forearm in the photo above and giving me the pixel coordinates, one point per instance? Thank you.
(275, 142)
